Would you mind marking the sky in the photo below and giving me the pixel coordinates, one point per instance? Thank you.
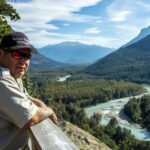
(108, 23)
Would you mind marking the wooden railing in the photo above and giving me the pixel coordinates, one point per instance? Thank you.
(47, 136)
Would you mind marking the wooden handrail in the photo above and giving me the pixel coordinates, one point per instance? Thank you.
(47, 136)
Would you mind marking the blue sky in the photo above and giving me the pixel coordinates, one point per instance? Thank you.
(109, 23)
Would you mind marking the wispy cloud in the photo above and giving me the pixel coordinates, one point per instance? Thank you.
(144, 5)
(127, 11)
(66, 24)
(120, 16)
(93, 30)
(99, 41)
(57, 38)
(119, 11)
(128, 17)
(48, 10)
(36, 15)
(117, 21)
(129, 28)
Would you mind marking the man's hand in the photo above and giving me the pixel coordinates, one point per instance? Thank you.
(42, 113)
(53, 117)
(51, 112)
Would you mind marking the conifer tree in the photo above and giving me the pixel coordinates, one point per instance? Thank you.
(6, 11)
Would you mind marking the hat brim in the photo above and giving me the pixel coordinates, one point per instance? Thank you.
(31, 48)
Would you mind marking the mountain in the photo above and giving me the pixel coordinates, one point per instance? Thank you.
(75, 52)
(40, 62)
(144, 32)
(130, 63)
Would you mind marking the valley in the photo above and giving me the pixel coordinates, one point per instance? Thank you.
(72, 94)
(93, 59)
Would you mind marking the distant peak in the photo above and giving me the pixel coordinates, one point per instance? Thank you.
(70, 43)
(145, 30)
(143, 33)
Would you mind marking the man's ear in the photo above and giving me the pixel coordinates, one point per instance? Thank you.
(1, 53)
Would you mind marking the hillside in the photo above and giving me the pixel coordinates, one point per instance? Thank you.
(143, 33)
(131, 63)
(41, 63)
(74, 52)
(83, 139)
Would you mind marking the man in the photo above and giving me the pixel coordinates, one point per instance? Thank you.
(18, 110)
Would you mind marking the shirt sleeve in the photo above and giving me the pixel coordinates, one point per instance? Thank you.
(15, 104)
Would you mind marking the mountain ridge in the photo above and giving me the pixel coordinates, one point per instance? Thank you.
(75, 52)
(143, 33)
(131, 63)
(42, 63)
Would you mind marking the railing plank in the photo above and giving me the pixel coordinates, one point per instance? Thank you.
(47, 136)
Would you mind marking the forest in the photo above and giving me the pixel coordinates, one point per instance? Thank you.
(69, 98)
(138, 110)
(85, 92)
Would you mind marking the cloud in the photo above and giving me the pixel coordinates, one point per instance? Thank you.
(48, 10)
(144, 5)
(119, 11)
(66, 24)
(115, 19)
(128, 28)
(120, 16)
(54, 38)
(129, 10)
(93, 30)
(36, 15)
(101, 41)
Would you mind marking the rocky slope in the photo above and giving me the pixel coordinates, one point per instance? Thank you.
(83, 139)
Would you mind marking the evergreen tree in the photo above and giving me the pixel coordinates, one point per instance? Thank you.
(6, 11)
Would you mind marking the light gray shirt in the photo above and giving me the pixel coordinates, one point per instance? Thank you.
(16, 109)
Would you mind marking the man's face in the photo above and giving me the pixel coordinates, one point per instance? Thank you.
(17, 65)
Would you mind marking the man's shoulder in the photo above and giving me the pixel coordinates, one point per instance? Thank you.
(4, 72)
(5, 77)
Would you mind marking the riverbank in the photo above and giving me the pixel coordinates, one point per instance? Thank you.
(113, 109)
(126, 99)
(64, 78)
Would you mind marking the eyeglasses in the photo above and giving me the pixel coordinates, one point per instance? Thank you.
(19, 55)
